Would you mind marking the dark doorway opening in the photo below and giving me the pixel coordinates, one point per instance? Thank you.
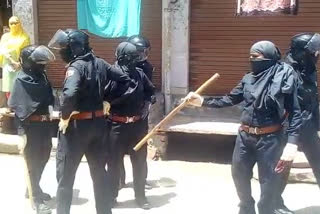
(5, 14)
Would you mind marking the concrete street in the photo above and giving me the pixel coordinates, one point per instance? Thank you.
(180, 187)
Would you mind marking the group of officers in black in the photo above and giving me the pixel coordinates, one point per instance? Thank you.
(104, 112)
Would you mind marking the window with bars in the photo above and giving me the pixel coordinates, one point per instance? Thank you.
(266, 7)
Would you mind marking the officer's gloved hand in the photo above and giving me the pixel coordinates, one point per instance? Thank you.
(287, 157)
(64, 123)
(106, 108)
(194, 99)
(145, 110)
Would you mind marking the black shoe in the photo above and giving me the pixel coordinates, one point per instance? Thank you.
(143, 203)
(42, 208)
(283, 210)
(44, 196)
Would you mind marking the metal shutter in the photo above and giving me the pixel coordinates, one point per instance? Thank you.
(54, 15)
(220, 41)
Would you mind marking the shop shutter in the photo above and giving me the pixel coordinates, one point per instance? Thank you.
(55, 14)
(220, 41)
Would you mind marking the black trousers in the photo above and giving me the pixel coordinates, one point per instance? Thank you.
(122, 181)
(265, 150)
(123, 137)
(83, 137)
(37, 153)
(310, 146)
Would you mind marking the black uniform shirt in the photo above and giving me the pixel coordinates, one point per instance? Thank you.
(130, 101)
(31, 94)
(86, 78)
(307, 96)
(147, 68)
(270, 112)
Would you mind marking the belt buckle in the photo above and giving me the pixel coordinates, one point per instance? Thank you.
(253, 130)
(43, 118)
(130, 120)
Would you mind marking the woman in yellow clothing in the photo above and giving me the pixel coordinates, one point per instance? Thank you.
(10, 46)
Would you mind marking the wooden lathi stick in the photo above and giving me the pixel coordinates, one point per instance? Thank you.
(174, 112)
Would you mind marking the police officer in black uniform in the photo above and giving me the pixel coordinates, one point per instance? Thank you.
(129, 108)
(303, 56)
(267, 92)
(143, 46)
(32, 100)
(82, 126)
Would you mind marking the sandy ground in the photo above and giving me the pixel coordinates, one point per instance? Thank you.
(179, 187)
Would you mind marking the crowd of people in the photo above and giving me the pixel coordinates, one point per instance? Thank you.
(104, 112)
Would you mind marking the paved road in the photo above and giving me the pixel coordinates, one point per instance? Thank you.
(181, 187)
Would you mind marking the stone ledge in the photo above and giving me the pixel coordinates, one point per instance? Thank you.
(10, 144)
(13, 144)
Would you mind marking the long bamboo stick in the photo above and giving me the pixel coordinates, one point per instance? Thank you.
(175, 111)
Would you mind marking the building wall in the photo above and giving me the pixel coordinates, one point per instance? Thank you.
(220, 40)
(54, 15)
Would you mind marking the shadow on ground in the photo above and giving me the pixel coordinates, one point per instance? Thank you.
(200, 148)
(75, 200)
(155, 201)
(308, 210)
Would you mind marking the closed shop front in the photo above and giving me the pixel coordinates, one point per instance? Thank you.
(54, 15)
(220, 40)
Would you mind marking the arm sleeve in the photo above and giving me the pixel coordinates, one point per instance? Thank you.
(116, 74)
(149, 88)
(291, 105)
(70, 92)
(233, 98)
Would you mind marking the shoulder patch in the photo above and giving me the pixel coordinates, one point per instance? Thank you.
(70, 72)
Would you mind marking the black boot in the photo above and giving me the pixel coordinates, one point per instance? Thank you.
(143, 203)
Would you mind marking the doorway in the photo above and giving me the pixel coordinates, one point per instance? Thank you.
(5, 14)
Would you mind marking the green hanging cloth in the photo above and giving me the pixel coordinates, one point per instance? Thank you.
(109, 18)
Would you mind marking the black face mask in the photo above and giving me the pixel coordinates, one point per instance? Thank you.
(38, 68)
(259, 65)
(66, 55)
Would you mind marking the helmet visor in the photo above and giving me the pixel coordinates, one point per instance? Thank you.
(314, 43)
(59, 40)
(42, 55)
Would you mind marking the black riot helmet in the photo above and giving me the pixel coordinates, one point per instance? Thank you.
(143, 45)
(71, 43)
(305, 48)
(33, 58)
(127, 55)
